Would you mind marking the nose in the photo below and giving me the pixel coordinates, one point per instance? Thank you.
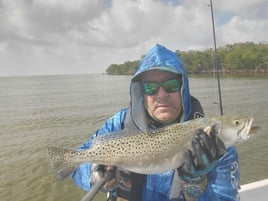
(161, 92)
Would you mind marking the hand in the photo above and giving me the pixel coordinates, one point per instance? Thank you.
(207, 149)
(98, 171)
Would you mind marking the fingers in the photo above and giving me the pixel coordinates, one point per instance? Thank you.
(220, 147)
(101, 170)
(97, 167)
(111, 172)
(98, 172)
(188, 167)
(204, 149)
(113, 176)
(109, 168)
(208, 144)
(113, 182)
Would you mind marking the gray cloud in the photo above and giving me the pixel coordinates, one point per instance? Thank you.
(81, 36)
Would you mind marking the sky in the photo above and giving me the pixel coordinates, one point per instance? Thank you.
(50, 37)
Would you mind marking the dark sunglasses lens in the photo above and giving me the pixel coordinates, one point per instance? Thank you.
(150, 88)
(172, 85)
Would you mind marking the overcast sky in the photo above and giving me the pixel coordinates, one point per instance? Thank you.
(40, 37)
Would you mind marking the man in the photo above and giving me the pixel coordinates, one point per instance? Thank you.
(160, 96)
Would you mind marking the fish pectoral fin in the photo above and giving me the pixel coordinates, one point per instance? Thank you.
(60, 165)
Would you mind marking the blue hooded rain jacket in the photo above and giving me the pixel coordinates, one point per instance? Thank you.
(223, 180)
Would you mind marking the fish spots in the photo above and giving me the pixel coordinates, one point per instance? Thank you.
(145, 153)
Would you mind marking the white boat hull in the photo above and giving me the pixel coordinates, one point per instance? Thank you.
(257, 191)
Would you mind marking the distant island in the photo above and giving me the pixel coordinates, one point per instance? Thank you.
(246, 57)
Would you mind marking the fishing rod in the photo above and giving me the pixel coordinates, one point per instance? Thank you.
(216, 58)
(95, 188)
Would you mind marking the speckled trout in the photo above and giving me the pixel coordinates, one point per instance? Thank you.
(149, 153)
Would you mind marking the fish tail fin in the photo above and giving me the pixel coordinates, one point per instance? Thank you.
(60, 162)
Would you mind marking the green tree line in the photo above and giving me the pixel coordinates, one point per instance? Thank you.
(238, 57)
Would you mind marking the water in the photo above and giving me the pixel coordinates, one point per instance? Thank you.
(37, 112)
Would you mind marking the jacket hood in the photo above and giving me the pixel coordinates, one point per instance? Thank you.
(159, 58)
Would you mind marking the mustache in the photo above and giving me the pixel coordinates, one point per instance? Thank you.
(164, 102)
(160, 103)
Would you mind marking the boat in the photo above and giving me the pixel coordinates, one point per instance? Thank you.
(254, 191)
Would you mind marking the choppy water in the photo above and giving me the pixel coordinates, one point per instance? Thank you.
(41, 111)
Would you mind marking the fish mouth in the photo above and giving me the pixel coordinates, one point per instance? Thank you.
(244, 132)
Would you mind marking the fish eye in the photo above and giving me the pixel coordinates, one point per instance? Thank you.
(237, 122)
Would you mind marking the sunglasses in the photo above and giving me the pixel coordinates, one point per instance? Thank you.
(151, 88)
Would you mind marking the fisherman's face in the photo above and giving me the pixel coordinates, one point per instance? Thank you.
(163, 106)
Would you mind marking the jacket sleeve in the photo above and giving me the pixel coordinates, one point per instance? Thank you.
(223, 181)
(82, 173)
